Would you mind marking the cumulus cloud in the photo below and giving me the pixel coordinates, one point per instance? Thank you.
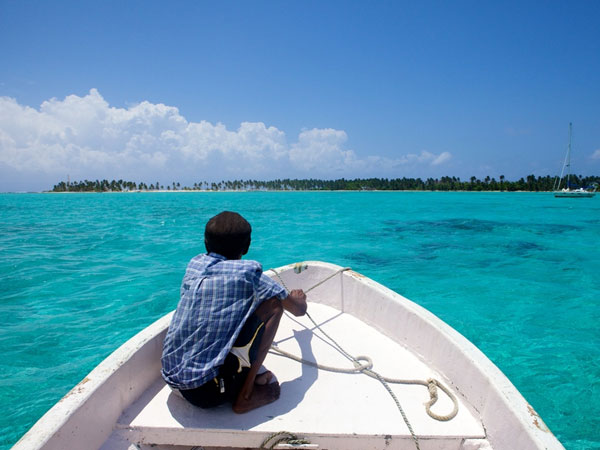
(87, 138)
(322, 150)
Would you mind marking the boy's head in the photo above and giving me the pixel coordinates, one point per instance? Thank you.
(228, 234)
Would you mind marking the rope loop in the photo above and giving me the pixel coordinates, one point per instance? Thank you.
(366, 365)
(432, 385)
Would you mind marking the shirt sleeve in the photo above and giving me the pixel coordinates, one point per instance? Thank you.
(268, 288)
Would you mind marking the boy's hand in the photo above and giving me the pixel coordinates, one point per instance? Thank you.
(295, 302)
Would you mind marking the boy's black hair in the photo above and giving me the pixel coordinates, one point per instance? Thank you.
(227, 234)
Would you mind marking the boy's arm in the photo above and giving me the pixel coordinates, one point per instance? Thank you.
(295, 302)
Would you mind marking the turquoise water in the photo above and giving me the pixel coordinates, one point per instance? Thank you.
(517, 274)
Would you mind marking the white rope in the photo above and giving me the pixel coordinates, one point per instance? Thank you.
(282, 436)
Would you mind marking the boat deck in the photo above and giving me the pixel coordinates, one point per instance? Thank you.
(325, 407)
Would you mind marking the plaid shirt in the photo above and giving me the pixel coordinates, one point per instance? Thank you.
(217, 297)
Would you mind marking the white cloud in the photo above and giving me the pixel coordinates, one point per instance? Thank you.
(321, 151)
(441, 158)
(596, 154)
(87, 138)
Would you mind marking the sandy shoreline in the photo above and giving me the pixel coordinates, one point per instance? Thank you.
(269, 190)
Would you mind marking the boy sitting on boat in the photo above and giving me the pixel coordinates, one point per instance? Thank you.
(225, 322)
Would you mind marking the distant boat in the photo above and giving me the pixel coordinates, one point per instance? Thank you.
(567, 191)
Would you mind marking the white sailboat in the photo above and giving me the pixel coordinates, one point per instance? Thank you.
(567, 191)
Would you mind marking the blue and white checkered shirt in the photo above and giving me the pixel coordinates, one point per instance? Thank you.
(217, 297)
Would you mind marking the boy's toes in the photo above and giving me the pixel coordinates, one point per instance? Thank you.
(264, 378)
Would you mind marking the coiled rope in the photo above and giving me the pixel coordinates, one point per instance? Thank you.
(279, 437)
(364, 364)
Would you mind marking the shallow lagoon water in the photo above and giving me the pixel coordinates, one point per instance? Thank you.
(516, 273)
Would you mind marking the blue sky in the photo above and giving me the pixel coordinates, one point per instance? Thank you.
(192, 91)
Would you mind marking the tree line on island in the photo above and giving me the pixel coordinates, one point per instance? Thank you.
(530, 183)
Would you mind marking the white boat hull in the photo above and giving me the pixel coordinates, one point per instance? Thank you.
(124, 404)
(577, 193)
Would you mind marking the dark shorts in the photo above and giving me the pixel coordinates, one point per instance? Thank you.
(232, 374)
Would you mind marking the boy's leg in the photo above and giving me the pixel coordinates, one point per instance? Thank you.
(258, 392)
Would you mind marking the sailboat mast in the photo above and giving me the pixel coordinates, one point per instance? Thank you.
(567, 192)
(569, 156)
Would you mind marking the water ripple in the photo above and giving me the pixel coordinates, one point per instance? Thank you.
(514, 273)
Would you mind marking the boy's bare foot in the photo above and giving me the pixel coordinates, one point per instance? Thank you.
(262, 394)
(263, 378)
